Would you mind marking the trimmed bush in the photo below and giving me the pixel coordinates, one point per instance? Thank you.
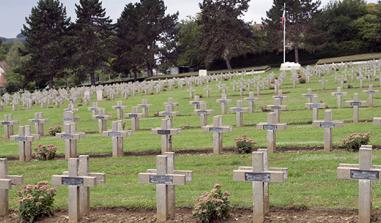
(244, 144)
(36, 201)
(45, 152)
(212, 206)
(54, 130)
(354, 141)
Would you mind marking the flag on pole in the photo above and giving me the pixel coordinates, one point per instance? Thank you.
(283, 17)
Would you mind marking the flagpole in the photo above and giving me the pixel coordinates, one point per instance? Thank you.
(284, 34)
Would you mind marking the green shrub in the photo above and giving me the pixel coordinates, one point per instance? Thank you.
(244, 144)
(354, 141)
(45, 152)
(36, 201)
(54, 130)
(212, 206)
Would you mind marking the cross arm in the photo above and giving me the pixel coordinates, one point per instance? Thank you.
(19, 138)
(267, 126)
(188, 173)
(64, 135)
(117, 134)
(165, 113)
(5, 184)
(281, 107)
(161, 131)
(87, 181)
(9, 122)
(132, 115)
(16, 179)
(100, 178)
(170, 179)
(211, 128)
(273, 175)
(328, 124)
(345, 171)
(43, 121)
(250, 169)
(315, 105)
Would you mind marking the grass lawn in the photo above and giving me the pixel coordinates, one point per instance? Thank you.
(312, 175)
(312, 180)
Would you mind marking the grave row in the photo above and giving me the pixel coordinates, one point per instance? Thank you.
(79, 181)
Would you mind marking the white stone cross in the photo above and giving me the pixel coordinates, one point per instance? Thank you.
(134, 116)
(168, 113)
(68, 117)
(218, 129)
(328, 124)
(258, 174)
(8, 124)
(165, 178)
(365, 172)
(94, 108)
(75, 180)
(70, 137)
(223, 101)
(102, 119)
(171, 103)
(84, 192)
(119, 107)
(339, 96)
(166, 132)
(323, 83)
(356, 104)
(25, 139)
(6, 182)
(144, 106)
(196, 102)
(371, 92)
(239, 110)
(271, 126)
(280, 96)
(277, 108)
(207, 91)
(39, 122)
(117, 135)
(314, 105)
(251, 101)
(203, 113)
(309, 95)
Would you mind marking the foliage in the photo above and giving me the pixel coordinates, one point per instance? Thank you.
(14, 62)
(91, 34)
(145, 36)
(36, 201)
(54, 130)
(224, 34)
(189, 40)
(45, 152)
(354, 141)
(299, 13)
(244, 144)
(346, 27)
(212, 206)
(46, 43)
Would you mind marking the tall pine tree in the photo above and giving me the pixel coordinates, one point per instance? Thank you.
(224, 33)
(298, 17)
(146, 37)
(46, 43)
(92, 32)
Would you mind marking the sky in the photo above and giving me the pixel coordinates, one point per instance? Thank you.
(13, 12)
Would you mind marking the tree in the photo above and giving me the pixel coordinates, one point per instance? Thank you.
(189, 49)
(145, 36)
(91, 33)
(45, 31)
(14, 62)
(224, 34)
(345, 27)
(299, 14)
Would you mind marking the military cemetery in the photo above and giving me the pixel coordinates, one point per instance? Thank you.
(149, 116)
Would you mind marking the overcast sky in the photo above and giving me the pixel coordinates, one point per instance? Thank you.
(13, 12)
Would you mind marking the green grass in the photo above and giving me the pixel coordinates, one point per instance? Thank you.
(352, 58)
(312, 180)
(297, 117)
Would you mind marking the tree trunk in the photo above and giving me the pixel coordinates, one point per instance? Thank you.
(50, 84)
(296, 51)
(227, 62)
(92, 78)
